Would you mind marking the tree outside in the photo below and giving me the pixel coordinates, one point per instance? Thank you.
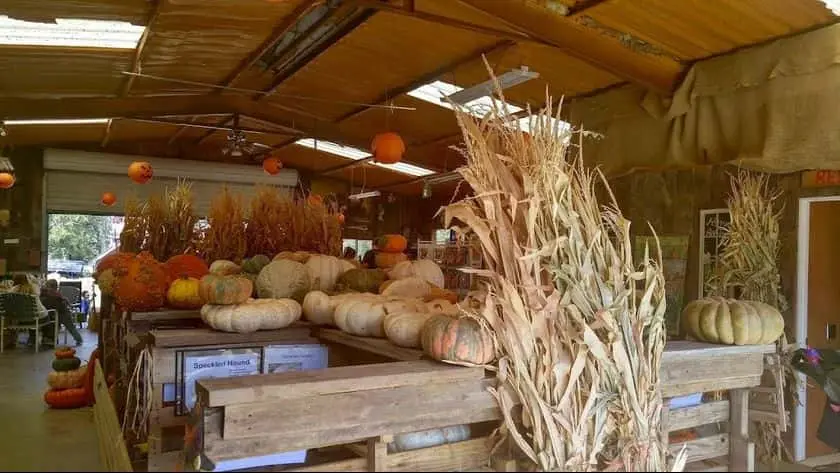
(78, 237)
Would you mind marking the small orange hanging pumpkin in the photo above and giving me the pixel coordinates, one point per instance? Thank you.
(272, 166)
(387, 148)
(7, 180)
(108, 199)
(140, 172)
(341, 219)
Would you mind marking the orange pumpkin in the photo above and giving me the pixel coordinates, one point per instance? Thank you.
(392, 243)
(117, 260)
(457, 338)
(66, 398)
(387, 148)
(186, 266)
(7, 180)
(272, 166)
(91, 369)
(65, 352)
(108, 199)
(340, 218)
(143, 286)
(140, 172)
(389, 260)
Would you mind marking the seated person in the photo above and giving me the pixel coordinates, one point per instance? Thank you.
(28, 284)
(52, 299)
(349, 253)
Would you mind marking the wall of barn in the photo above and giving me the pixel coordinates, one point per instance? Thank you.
(22, 237)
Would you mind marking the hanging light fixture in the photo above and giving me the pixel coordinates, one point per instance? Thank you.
(427, 190)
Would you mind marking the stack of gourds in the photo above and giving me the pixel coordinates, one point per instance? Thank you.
(391, 250)
(67, 381)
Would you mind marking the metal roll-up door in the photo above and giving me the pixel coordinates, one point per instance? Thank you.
(75, 180)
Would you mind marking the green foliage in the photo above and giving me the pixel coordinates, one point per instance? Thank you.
(78, 237)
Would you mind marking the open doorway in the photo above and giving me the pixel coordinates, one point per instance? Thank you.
(817, 319)
(75, 243)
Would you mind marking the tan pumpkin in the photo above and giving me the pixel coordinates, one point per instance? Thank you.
(184, 293)
(224, 267)
(224, 290)
(404, 328)
(424, 269)
(732, 322)
(282, 279)
(458, 339)
(319, 308)
(253, 315)
(389, 260)
(324, 271)
(67, 379)
(362, 316)
(298, 256)
(408, 287)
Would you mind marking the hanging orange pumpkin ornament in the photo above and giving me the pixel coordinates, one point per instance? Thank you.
(272, 166)
(7, 180)
(108, 199)
(140, 172)
(387, 148)
(340, 219)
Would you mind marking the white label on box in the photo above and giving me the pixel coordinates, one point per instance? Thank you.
(226, 364)
(281, 358)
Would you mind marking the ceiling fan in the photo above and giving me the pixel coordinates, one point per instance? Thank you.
(238, 144)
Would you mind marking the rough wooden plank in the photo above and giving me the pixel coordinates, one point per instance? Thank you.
(771, 417)
(295, 384)
(739, 429)
(720, 384)
(706, 413)
(704, 448)
(374, 412)
(379, 346)
(704, 368)
(108, 429)
(677, 349)
(376, 453)
(195, 337)
(324, 421)
(463, 456)
(353, 464)
(166, 315)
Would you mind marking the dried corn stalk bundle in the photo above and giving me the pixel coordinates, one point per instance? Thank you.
(268, 221)
(319, 227)
(181, 222)
(224, 237)
(579, 330)
(156, 214)
(133, 235)
(749, 269)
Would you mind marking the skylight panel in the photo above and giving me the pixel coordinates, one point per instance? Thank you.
(57, 121)
(557, 127)
(433, 92)
(356, 154)
(70, 33)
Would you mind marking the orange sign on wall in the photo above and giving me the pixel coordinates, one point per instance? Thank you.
(820, 178)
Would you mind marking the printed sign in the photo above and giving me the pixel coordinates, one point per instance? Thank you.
(217, 364)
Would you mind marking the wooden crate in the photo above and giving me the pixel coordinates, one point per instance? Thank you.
(360, 407)
(166, 428)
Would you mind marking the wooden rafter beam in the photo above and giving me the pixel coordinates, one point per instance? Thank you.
(154, 13)
(531, 25)
(430, 76)
(582, 6)
(154, 106)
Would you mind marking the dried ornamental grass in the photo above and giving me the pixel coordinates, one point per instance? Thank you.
(268, 220)
(133, 235)
(579, 330)
(224, 237)
(156, 214)
(181, 222)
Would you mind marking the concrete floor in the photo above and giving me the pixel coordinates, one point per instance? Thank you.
(32, 436)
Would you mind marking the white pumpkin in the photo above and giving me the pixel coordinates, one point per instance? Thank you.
(409, 287)
(403, 328)
(442, 306)
(282, 279)
(424, 269)
(429, 438)
(324, 271)
(256, 314)
(319, 308)
(347, 265)
(362, 316)
(396, 305)
(225, 267)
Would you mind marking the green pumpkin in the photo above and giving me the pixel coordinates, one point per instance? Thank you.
(361, 280)
(66, 364)
(732, 322)
(255, 264)
(224, 290)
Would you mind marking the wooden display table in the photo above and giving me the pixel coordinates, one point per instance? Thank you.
(166, 427)
(364, 406)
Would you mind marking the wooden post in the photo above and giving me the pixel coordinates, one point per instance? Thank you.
(741, 451)
(377, 453)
